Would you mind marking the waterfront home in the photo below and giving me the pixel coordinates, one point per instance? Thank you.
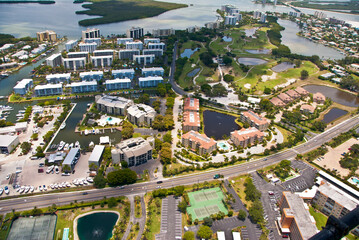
(306, 108)
(254, 120)
(318, 97)
(83, 87)
(199, 142)
(48, 90)
(191, 104)
(191, 121)
(23, 86)
(293, 94)
(112, 104)
(58, 78)
(141, 114)
(302, 91)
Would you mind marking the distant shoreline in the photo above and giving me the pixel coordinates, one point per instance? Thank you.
(30, 1)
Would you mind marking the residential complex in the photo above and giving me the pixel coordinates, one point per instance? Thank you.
(163, 32)
(46, 36)
(296, 219)
(134, 45)
(128, 53)
(23, 86)
(83, 87)
(117, 84)
(74, 63)
(70, 45)
(146, 82)
(54, 60)
(246, 136)
(91, 33)
(88, 47)
(92, 75)
(191, 121)
(144, 59)
(124, 73)
(135, 32)
(141, 114)
(124, 40)
(48, 90)
(101, 61)
(152, 72)
(191, 104)
(112, 104)
(255, 120)
(58, 78)
(134, 151)
(199, 142)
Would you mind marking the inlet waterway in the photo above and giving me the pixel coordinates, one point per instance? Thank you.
(96, 226)
(218, 124)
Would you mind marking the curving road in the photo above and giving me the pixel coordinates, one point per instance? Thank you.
(45, 200)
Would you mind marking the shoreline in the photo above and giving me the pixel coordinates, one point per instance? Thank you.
(76, 236)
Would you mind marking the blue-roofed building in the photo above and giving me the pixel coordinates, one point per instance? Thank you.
(155, 71)
(149, 81)
(71, 160)
(83, 87)
(23, 86)
(93, 75)
(123, 73)
(117, 84)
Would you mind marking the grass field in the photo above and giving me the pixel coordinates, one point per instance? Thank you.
(320, 218)
(155, 225)
(122, 10)
(206, 202)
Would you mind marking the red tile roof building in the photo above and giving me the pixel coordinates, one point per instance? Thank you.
(255, 120)
(191, 121)
(244, 137)
(277, 102)
(318, 97)
(302, 91)
(200, 142)
(307, 108)
(191, 104)
(284, 97)
(293, 94)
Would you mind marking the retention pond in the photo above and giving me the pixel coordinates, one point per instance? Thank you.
(96, 226)
(218, 124)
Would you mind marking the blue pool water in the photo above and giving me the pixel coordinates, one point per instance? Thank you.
(188, 52)
(223, 146)
(227, 39)
(109, 119)
(356, 180)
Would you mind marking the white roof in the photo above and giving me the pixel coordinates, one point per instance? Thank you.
(221, 236)
(131, 70)
(118, 80)
(91, 73)
(23, 83)
(144, 79)
(152, 69)
(59, 75)
(47, 86)
(83, 83)
(71, 42)
(88, 44)
(236, 236)
(74, 59)
(96, 153)
(52, 57)
(104, 140)
(6, 140)
(104, 50)
(100, 57)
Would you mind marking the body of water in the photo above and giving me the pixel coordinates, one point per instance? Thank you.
(188, 52)
(251, 61)
(338, 96)
(25, 19)
(218, 124)
(283, 67)
(258, 51)
(303, 46)
(227, 39)
(96, 226)
(193, 72)
(333, 114)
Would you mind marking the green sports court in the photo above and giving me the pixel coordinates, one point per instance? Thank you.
(206, 202)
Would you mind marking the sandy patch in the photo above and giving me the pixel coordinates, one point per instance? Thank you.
(333, 156)
(247, 85)
(193, 65)
(289, 82)
(269, 77)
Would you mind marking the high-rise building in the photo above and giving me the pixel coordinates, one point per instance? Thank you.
(230, 20)
(135, 32)
(163, 32)
(91, 33)
(46, 36)
(70, 45)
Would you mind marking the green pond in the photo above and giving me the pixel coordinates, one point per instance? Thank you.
(96, 226)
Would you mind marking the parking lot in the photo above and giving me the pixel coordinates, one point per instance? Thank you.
(171, 219)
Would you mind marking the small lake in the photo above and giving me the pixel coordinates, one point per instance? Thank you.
(188, 52)
(193, 72)
(218, 124)
(284, 66)
(227, 39)
(333, 114)
(258, 51)
(338, 96)
(303, 46)
(96, 226)
(251, 61)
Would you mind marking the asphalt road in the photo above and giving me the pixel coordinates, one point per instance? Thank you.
(175, 87)
(45, 200)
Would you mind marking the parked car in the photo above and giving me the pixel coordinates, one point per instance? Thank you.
(7, 190)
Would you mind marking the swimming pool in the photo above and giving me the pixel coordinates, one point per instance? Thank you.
(356, 180)
(223, 146)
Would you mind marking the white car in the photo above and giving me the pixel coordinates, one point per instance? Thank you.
(7, 190)
(52, 186)
(57, 170)
(40, 188)
(1, 190)
(44, 188)
(32, 189)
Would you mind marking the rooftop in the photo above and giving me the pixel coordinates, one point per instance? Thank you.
(113, 101)
(97, 153)
(71, 156)
(139, 110)
(118, 80)
(23, 83)
(5, 140)
(47, 86)
(59, 75)
(91, 73)
(142, 79)
(255, 117)
(83, 83)
(191, 119)
(191, 104)
(131, 70)
(134, 147)
(202, 139)
(246, 133)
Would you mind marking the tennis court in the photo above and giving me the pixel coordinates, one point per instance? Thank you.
(34, 228)
(206, 202)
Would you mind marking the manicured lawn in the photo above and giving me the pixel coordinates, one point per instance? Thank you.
(154, 210)
(320, 218)
(285, 132)
(138, 209)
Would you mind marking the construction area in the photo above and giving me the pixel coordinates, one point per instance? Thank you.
(205, 202)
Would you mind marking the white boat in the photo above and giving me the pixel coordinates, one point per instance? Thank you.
(62, 126)
(56, 186)
(49, 169)
(68, 184)
(52, 186)
(19, 115)
(22, 111)
(91, 144)
(85, 182)
(77, 144)
(61, 145)
(71, 145)
(90, 180)
(86, 132)
(66, 147)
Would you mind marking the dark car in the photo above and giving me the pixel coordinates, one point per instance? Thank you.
(159, 182)
(85, 193)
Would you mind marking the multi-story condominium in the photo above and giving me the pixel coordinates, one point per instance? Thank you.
(23, 86)
(134, 45)
(191, 104)
(156, 52)
(141, 114)
(234, 11)
(112, 104)
(145, 82)
(135, 151)
(93, 75)
(238, 16)
(191, 121)
(93, 40)
(331, 200)
(48, 90)
(211, 25)
(70, 45)
(156, 46)
(91, 33)
(199, 142)
(54, 60)
(87, 47)
(83, 87)
(155, 71)
(230, 20)
(163, 32)
(116, 84)
(74, 63)
(257, 14)
(135, 32)
(124, 40)
(58, 78)
(263, 18)
(101, 61)
(144, 59)
(244, 137)
(78, 55)
(296, 219)
(128, 53)
(106, 52)
(46, 36)
(124, 73)
(151, 40)
(254, 120)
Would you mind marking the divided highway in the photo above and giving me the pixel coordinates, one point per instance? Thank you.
(44, 200)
